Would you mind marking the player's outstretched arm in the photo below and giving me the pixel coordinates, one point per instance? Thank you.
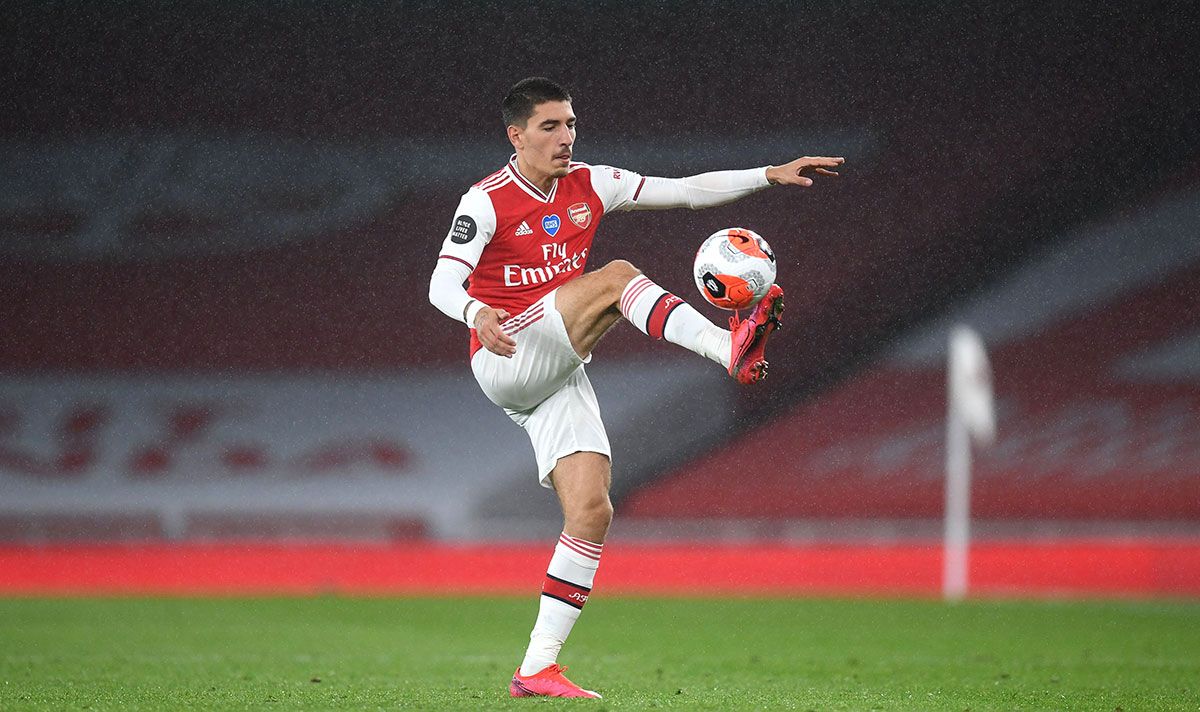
(708, 190)
(792, 173)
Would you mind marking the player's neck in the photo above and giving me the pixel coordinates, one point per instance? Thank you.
(543, 181)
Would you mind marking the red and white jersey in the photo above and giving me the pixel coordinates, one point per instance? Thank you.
(521, 243)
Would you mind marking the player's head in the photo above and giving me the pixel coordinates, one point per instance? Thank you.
(540, 123)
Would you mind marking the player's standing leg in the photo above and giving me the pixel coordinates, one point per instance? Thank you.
(581, 481)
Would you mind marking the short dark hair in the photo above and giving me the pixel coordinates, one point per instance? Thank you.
(519, 103)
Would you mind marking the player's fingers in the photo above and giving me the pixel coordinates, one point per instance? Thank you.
(503, 339)
(502, 314)
(826, 161)
(826, 172)
(819, 162)
(501, 344)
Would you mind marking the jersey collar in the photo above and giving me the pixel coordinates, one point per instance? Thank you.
(528, 186)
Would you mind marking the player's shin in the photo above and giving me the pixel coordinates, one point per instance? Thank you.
(566, 588)
(662, 315)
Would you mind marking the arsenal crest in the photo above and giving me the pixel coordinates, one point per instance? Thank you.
(580, 214)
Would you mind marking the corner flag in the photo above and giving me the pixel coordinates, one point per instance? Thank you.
(970, 415)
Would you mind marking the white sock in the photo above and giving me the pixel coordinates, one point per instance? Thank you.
(566, 588)
(662, 315)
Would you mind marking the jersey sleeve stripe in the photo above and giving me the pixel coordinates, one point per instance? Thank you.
(457, 259)
(638, 192)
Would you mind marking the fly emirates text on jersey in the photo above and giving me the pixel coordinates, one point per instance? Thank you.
(557, 263)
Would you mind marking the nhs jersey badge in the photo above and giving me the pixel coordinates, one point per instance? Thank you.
(550, 223)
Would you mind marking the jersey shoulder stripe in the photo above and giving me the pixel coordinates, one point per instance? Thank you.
(491, 180)
(499, 183)
(492, 177)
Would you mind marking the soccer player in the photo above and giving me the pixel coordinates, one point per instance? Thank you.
(522, 236)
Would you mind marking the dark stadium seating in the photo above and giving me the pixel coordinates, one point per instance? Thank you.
(934, 205)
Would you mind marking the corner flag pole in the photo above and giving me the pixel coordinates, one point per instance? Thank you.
(969, 412)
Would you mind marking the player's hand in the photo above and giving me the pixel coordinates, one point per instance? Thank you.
(493, 338)
(793, 173)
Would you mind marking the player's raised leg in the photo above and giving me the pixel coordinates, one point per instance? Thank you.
(591, 304)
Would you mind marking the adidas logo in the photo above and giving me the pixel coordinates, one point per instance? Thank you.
(524, 229)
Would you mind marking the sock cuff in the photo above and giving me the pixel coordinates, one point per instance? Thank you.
(636, 287)
(581, 551)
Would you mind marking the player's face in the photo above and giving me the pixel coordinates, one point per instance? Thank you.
(546, 142)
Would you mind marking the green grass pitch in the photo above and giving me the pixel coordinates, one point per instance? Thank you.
(641, 653)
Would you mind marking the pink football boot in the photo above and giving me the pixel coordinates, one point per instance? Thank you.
(746, 363)
(549, 682)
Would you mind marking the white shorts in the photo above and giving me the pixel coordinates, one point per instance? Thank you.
(544, 388)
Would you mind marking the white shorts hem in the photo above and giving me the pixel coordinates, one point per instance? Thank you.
(544, 477)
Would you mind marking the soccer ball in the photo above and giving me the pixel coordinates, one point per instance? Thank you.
(734, 268)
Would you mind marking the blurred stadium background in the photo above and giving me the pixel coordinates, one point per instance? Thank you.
(219, 369)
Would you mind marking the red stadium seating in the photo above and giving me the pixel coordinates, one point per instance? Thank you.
(1099, 412)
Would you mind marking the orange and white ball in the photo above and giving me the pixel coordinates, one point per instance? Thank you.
(734, 268)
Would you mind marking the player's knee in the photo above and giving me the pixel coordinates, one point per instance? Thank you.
(621, 271)
(595, 515)
(617, 274)
(602, 514)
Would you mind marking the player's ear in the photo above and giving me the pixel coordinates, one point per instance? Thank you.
(515, 137)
